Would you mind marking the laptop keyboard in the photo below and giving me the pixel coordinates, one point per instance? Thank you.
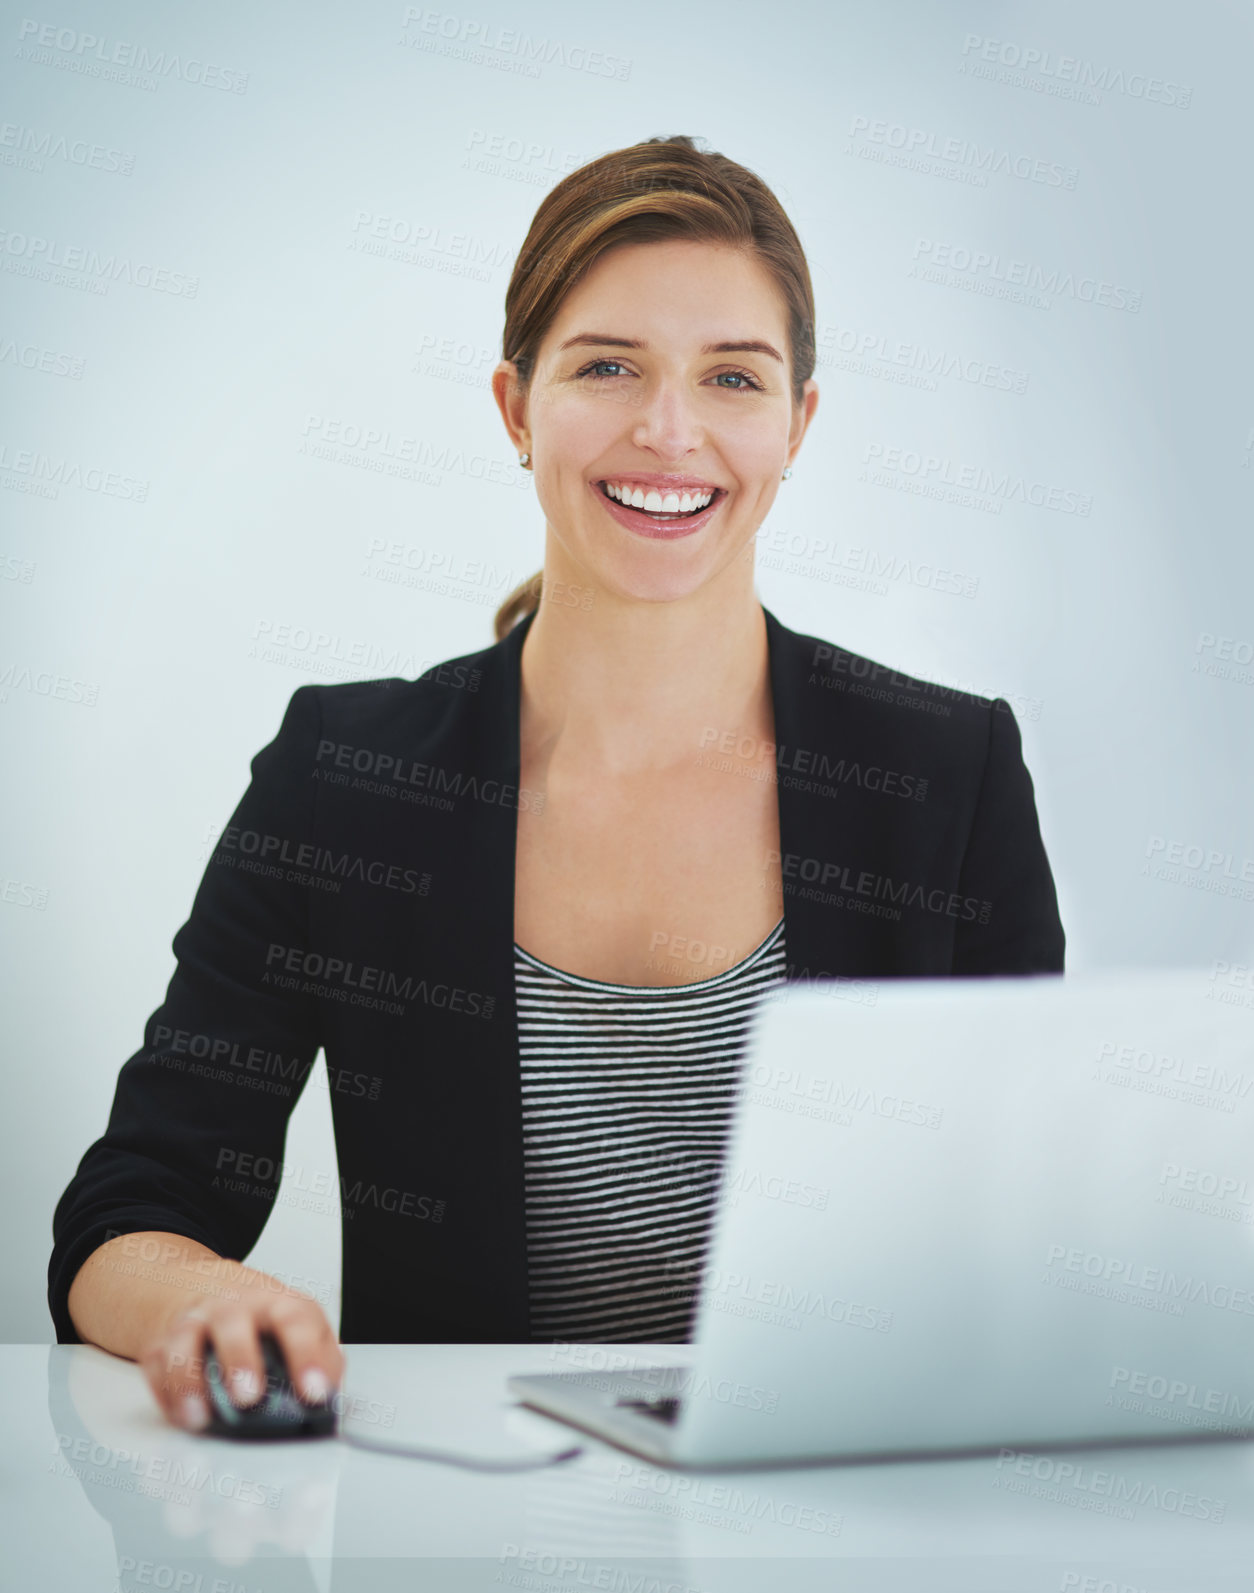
(664, 1409)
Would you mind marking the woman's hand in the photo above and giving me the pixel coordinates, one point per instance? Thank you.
(244, 1304)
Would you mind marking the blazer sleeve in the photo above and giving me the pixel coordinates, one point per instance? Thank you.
(1005, 868)
(224, 1056)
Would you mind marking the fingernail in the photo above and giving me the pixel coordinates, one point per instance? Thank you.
(195, 1412)
(315, 1387)
(245, 1389)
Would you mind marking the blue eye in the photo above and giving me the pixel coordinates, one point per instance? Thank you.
(740, 376)
(749, 384)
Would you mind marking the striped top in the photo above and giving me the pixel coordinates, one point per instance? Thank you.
(627, 1093)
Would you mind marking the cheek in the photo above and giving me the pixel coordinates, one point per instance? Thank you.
(757, 468)
(578, 428)
(752, 444)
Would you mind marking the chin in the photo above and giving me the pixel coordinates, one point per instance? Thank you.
(656, 585)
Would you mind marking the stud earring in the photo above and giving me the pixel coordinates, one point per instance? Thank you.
(787, 473)
(524, 460)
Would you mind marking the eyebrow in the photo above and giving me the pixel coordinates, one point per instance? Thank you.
(600, 340)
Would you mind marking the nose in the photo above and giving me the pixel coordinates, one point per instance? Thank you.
(668, 424)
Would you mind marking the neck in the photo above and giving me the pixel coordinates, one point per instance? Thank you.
(633, 685)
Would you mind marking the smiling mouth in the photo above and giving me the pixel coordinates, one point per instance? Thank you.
(663, 516)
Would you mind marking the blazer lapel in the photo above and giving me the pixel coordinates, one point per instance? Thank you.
(820, 942)
(486, 851)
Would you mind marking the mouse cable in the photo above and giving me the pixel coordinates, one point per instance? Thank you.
(448, 1458)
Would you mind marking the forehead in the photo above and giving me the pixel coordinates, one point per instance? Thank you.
(681, 289)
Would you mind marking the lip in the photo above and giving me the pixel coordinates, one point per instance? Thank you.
(661, 480)
(630, 518)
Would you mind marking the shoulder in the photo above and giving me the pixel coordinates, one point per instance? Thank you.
(370, 711)
(847, 694)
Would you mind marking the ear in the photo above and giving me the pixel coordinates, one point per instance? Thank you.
(511, 400)
(802, 415)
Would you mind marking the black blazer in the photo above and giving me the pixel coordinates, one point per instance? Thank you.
(362, 901)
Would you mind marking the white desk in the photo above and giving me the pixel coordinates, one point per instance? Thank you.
(100, 1494)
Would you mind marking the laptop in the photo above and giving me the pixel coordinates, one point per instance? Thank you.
(959, 1215)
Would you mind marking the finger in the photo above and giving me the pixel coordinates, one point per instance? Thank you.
(310, 1349)
(239, 1355)
(175, 1369)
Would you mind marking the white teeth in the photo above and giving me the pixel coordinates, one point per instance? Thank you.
(655, 502)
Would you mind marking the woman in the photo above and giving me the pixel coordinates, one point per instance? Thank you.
(526, 904)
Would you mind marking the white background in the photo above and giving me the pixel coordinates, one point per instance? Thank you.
(359, 121)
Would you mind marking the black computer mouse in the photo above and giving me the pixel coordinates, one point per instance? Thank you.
(279, 1413)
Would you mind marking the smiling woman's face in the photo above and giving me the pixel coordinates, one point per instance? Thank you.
(666, 371)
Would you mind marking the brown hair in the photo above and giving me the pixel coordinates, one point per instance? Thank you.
(652, 192)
